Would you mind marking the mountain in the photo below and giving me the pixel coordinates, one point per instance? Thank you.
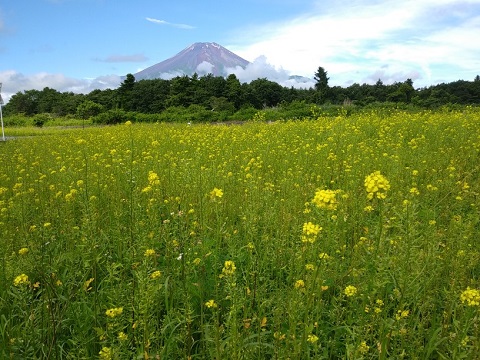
(201, 58)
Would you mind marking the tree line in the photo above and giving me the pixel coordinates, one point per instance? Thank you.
(223, 97)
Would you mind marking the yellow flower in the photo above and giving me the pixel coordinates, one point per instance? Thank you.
(363, 347)
(155, 274)
(216, 193)
(312, 338)
(401, 314)
(23, 251)
(86, 284)
(105, 353)
(350, 290)
(128, 123)
(122, 336)
(324, 256)
(299, 284)
(21, 280)
(414, 191)
(153, 178)
(310, 267)
(114, 312)
(147, 189)
(310, 232)
(325, 199)
(149, 253)
(211, 304)
(311, 229)
(229, 268)
(376, 185)
(471, 297)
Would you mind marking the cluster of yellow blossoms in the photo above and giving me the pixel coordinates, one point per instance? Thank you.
(211, 304)
(326, 199)
(114, 312)
(149, 253)
(153, 181)
(23, 251)
(350, 290)
(105, 353)
(376, 185)
(229, 268)
(471, 297)
(156, 274)
(21, 280)
(216, 193)
(310, 232)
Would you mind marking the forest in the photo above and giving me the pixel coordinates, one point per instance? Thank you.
(215, 98)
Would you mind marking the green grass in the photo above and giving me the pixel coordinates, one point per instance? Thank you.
(149, 218)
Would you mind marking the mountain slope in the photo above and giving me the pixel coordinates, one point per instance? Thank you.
(201, 58)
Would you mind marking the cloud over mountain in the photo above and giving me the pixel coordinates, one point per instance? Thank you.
(211, 58)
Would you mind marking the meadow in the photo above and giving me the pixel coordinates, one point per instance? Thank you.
(347, 237)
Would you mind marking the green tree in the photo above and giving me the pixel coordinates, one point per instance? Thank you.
(88, 109)
(264, 93)
(149, 96)
(233, 91)
(182, 90)
(321, 84)
(23, 103)
(124, 92)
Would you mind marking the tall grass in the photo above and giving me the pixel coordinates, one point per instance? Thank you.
(256, 241)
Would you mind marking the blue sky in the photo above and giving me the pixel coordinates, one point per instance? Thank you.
(80, 45)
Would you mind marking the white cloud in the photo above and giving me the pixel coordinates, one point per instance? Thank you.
(163, 22)
(354, 39)
(205, 68)
(261, 68)
(170, 75)
(14, 82)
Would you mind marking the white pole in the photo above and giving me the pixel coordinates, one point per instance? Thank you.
(1, 119)
(1, 115)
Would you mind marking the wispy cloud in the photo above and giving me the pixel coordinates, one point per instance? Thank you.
(354, 40)
(122, 58)
(163, 22)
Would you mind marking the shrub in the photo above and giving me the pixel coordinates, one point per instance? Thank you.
(111, 117)
(40, 119)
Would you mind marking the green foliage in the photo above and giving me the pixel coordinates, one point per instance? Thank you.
(259, 116)
(321, 85)
(88, 109)
(15, 120)
(40, 119)
(227, 97)
(111, 117)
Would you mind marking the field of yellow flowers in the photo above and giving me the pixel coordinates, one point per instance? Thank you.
(336, 238)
